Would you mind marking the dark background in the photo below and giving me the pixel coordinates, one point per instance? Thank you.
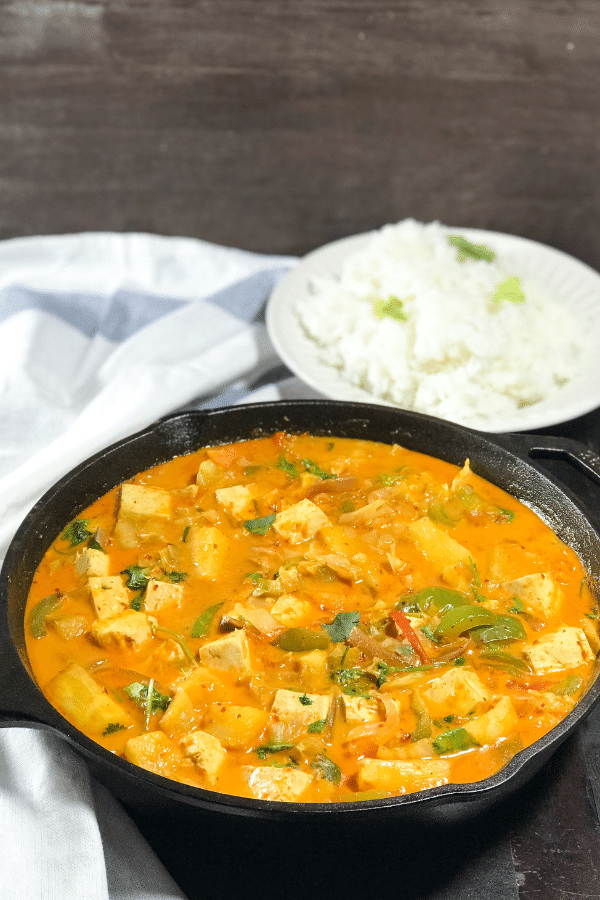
(277, 126)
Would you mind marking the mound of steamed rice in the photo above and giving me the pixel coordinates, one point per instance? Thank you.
(458, 354)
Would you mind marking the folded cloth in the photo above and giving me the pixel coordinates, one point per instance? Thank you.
(101, 335)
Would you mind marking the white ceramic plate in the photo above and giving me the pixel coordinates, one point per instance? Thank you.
(557, 273)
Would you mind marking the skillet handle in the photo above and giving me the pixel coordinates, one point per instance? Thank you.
(549, 447)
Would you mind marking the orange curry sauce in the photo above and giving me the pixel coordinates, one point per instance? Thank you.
(311, 619)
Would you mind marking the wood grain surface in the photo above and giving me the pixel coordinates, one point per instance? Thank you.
(277, 126)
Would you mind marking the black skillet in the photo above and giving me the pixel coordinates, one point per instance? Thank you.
(507, 460)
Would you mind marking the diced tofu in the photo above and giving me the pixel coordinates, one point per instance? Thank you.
(229, 652)
(500, 721)
(109, 595)
(209, 548)
(140, 502)
(360, 709)
(566, 648)
(142, 513)
(442, 551)
(180, 716)
(457, 692)
(540, 594)
(300, 521)
(590, 626)
(160, 594)
(92, 562)
(237, 501)
(155, 752)
(127, 630)
(313, 667)
(238, 727)
(206, 751)
(268, 783)
(85, 702)
(402, 775)
(300, 708)
(290, 611)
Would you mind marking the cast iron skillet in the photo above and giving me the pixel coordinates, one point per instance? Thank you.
(506, 460)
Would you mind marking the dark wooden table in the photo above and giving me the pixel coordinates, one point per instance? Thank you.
(278, 125)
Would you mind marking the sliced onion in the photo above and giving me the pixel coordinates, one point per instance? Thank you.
(380, 732)
(371, 647)
(333, 486)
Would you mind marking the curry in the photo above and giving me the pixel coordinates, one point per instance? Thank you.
(312, 619)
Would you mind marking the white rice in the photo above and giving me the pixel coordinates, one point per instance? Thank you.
(459, 355)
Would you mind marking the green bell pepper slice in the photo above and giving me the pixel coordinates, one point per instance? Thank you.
(300, 640)
(459, 619)
(504, 628)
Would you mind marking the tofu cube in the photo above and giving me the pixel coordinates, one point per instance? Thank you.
(300, 521)
(127, 630)
(298, 708)
(209, 549)
(229, 652)
(402, 776)
(109, 595)
(238, 727)
(142, 511)
(313, 667)
(92, 562)
(84, 702)
(290, 611)
(237, 501)
(566, 648)
(457, 692)
(358, 710)
(206, 751)
(155, 752)
(442, 551)
(268, 783)
(161, 594)
(540, 594)
(499, 722)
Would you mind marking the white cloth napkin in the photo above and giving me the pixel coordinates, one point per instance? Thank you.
(101, 334)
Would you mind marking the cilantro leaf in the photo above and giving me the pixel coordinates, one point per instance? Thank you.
(305, 700)
(77, 532)
(315, 469)
(176, 577)
(288, 467)
(317, 726)
(137, 577)
(259, 526)
(467, 250)
(326, 768)
(339, 630)
(112, 727)
(265, 749)
(138, 692)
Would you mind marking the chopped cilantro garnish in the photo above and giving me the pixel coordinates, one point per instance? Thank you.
(315, 469)
(112, 727)
(354, 682)
(317, 726)
(393, 308)
(467, 250)
(137, 577)
(339, 630)
(517, 605)
(510, 290)
(327, 769)
(305, 700)
(139, 693)
(259, 526)
(137, 602)
(288, 467)
(77, 532)
(475, 572)
(186, 531)
(176, 577)
(265, 749)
